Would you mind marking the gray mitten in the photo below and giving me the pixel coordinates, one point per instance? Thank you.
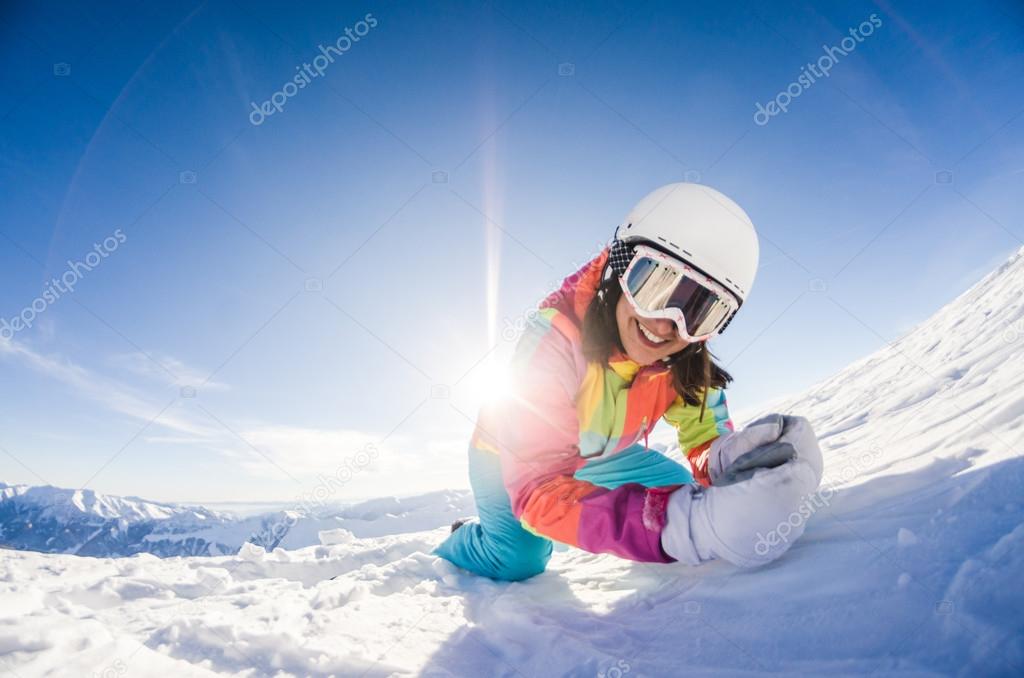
(732, 447)
(747, 523)
(766, 456)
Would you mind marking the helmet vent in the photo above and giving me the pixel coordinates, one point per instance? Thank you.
(737, 286)
(670, 243)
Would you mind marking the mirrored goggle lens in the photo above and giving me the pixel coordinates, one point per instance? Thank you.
(656, 286)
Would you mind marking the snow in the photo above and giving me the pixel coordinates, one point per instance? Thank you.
(910, 564)
(336, 536)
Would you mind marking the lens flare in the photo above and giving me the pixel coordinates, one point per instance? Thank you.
(487, 383)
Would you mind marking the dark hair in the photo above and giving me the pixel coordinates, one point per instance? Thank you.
(694, 369)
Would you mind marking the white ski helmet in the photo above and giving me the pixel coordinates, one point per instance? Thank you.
(702, 227)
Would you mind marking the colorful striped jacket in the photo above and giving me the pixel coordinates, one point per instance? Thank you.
(564, 411)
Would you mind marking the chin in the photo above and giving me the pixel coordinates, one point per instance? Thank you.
(641, 356)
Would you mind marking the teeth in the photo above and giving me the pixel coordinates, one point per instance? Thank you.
(651, 337)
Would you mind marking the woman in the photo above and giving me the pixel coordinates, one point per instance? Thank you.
(564, 456)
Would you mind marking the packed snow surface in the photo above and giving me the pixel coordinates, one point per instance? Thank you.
(911, 563)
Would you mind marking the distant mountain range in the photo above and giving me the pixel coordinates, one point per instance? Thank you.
(82, 522)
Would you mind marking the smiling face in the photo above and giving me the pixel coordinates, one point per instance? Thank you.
(646, 341)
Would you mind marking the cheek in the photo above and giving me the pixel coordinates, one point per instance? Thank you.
(679, 345)
(622, 316)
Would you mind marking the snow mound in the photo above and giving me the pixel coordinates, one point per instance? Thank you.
(910, 564)
(335, 537)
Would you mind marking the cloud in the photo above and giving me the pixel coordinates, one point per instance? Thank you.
(265, 449)
(336, 465)
(164, 369)
(111, 393)
(269, 449)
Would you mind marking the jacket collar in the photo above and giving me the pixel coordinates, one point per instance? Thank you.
(573, 297)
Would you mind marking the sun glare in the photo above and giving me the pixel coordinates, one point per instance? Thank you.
(488, 382)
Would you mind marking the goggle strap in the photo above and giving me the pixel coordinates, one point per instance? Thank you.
(620, 255)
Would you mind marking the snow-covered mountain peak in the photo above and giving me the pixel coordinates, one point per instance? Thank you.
(84, 522)
(70, 504)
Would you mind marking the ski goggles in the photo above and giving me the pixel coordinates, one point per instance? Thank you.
(661, 286)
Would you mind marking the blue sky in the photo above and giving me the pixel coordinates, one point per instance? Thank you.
(339, 275)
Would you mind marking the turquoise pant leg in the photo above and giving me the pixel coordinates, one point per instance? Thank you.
(497, 546)
(500, 548)
(635, 464)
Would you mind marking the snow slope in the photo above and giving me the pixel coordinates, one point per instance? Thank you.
(910, 565)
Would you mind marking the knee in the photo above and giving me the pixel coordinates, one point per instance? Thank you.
(502, 559)
(522, 561)
(518, 558)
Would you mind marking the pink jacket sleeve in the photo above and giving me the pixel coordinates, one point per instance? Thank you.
(536, 431)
